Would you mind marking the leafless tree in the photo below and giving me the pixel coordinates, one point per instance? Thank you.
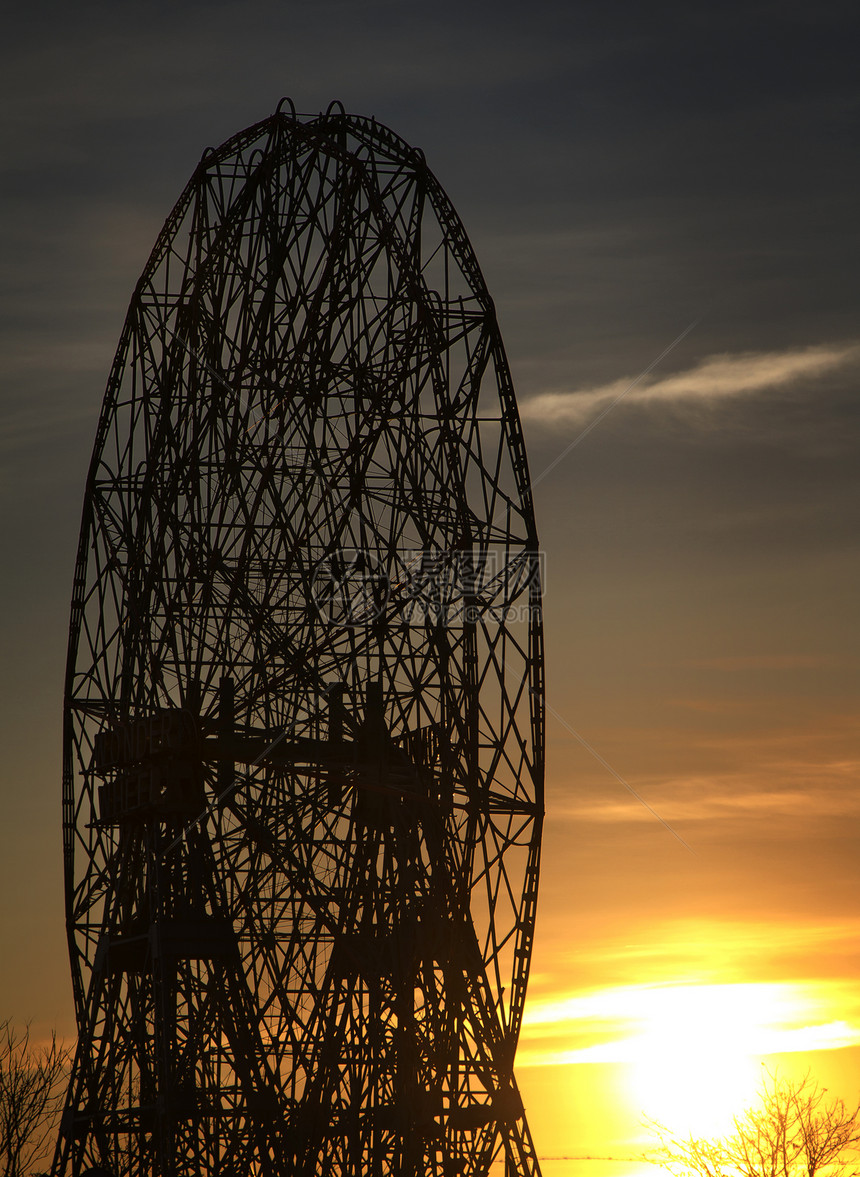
(32, 1086)
(796, 1130)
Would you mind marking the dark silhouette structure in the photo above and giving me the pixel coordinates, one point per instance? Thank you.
(303, 774)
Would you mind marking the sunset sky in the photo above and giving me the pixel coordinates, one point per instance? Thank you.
(631, 177)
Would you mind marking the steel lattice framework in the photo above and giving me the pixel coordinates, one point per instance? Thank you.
(303, 754)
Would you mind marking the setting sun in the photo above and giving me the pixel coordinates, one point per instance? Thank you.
(692, 1070)
(687, 1056)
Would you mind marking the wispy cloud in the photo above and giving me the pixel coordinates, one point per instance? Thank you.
(766, 792)
(713, 380)
(719, 950)
(696, 950)
(623, 1024)
(797, 769)
(760, 806)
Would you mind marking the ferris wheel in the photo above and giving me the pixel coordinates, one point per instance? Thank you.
(303, 749)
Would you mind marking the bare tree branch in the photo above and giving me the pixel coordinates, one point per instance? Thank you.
(794, 1131)
(32, 1086)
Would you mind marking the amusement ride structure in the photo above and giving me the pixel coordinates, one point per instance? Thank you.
(303, 749)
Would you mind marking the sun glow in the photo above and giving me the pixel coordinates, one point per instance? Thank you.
(692, 1068)
(691, 1054)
